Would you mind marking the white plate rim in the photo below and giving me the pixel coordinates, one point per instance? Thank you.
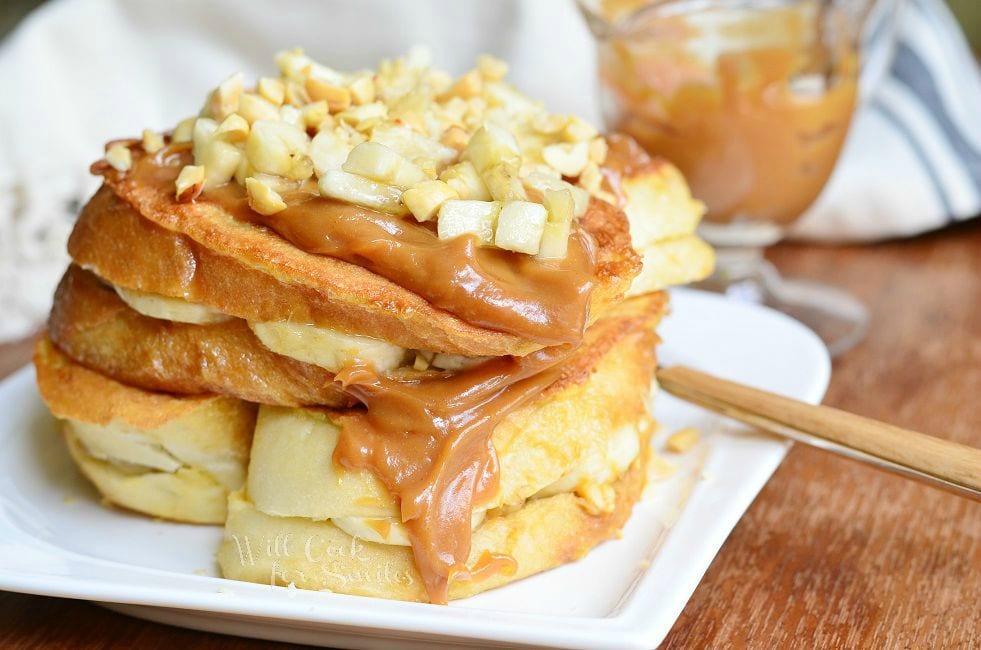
(636, 625)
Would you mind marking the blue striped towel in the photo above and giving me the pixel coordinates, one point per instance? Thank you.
(912, 162)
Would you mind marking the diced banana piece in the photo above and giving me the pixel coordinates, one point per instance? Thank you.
(503, 183)
(337, 184)
(411, 144)
(328, 151)
(540, 183)
(555, 237)
(567, 159)
(555, 240)
(272, 146)
(172, 309)
(292, 472)
(383, 164)
(492, 145)
(560, 205)
(477, 218)
(328, 348)
(220, 160)
(520, 227)
(424, 199)
(465, 181)
(201, 134)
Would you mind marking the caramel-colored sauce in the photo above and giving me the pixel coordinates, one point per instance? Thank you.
(381, 526)
(427, 436)
(490, 564)
(546, 301)
(756, 130)
(428, 439)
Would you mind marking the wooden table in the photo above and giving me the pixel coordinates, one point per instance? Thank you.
(832, 554)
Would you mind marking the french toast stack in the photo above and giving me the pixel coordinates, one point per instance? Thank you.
(394, 330)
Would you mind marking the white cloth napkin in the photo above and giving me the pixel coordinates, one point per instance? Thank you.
(77, 73)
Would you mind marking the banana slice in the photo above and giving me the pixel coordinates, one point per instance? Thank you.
(121, 444)
(327, 348)
(173, 309)
(292, 472)
(601, 469)
(386, 530)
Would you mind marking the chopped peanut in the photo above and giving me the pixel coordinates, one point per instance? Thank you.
(262, 198)
(473, 154)
(224, 99)
(272, 90)
(190, 182)
(682, 440)
(119, 157)
(152, 141)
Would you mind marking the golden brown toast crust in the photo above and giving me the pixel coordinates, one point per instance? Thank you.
(75, 392)
(92, 325)
(346, 296)
(543, 534)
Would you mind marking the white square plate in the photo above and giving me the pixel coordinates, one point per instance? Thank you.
(55, 538)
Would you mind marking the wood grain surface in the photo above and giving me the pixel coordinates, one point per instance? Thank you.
(832, 554)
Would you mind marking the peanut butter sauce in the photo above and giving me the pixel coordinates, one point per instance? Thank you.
(546, 301)
(756, 129)
(428, 439)
(427, 436)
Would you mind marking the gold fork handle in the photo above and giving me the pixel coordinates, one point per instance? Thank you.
(939, 462)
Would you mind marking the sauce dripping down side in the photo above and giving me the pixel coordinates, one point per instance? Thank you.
(546, 301)
(428, 440)
(428, 437)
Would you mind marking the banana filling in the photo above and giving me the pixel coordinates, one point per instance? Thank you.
(173, 309)
(292, 473)
(320, 346)
(132, 451)
(328, 348)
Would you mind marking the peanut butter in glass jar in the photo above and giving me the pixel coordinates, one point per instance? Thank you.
(751, 100)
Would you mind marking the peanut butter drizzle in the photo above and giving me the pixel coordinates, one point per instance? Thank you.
(756, 131)
(428, 439)
(546, 301)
